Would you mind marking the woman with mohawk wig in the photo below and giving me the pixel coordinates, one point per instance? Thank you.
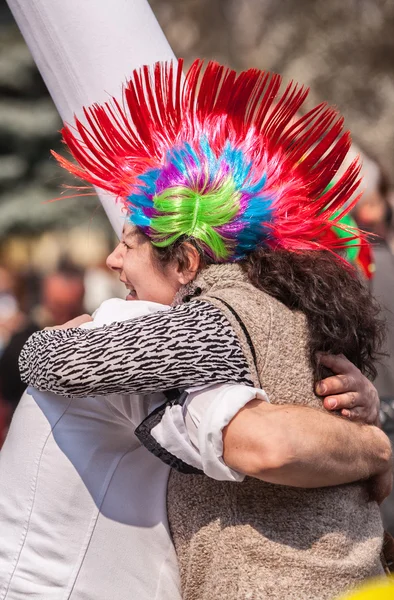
(225, 191)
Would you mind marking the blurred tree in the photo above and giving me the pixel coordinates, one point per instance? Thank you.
(29, 126)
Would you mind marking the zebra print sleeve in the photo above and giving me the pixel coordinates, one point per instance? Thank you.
(192, 344)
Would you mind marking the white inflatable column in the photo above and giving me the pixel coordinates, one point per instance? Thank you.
(86, 49)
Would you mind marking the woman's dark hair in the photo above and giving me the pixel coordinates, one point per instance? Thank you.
(342, 315)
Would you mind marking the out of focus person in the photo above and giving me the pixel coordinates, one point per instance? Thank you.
(374, 214)
(10, 314)
(11, 319)
(61, 299)
(100, 285)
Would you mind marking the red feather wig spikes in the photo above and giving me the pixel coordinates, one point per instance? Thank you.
(231, 140)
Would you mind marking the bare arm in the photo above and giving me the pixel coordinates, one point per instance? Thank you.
(309, 448)
(304, 447)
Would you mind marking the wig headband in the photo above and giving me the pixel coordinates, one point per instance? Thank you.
(220, 158)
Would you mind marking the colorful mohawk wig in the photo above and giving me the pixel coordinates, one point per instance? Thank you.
(217, 157)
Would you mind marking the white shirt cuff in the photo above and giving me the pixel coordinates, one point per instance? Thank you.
(207, 412)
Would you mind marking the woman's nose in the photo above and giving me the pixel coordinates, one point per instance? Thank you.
(115, 259)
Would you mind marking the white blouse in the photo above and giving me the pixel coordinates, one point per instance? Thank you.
(83, 503)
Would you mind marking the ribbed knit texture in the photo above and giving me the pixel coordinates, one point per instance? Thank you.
(258, 541)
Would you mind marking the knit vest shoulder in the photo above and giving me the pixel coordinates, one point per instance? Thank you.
(255, 540)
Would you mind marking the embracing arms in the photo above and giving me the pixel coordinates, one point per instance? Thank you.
(288, 444)
(304, 447)
(192, 345)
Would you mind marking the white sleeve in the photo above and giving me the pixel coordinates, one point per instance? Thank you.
(190, 431)
(116, 310)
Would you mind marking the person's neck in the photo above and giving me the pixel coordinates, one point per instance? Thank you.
(211, 278)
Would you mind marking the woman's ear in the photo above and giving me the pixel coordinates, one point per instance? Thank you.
(189, 264)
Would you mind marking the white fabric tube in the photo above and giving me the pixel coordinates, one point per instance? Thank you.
(86, 49)
(82, 505)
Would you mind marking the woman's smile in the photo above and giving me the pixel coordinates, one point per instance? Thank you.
(133, 260)
(132, 295)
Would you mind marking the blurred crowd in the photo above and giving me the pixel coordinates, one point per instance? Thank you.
(374, 214)
(32, 301)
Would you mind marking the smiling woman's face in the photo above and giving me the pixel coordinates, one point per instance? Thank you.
(134, 261)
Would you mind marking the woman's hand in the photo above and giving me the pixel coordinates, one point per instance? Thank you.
(73, 323)
(348, 391)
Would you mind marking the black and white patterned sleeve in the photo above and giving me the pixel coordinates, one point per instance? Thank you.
(192, 344)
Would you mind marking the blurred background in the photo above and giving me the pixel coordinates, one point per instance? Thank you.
(52, 253)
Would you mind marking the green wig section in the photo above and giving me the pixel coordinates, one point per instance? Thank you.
(351, 228)
(195, 214)
(352, 246)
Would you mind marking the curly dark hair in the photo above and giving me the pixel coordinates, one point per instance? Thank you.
(342, 315)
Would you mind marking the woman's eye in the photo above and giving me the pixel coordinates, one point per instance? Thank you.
(127, 246)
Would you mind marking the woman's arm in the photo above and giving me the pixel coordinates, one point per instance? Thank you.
(305, 447)
(192, 344)
(43, 361)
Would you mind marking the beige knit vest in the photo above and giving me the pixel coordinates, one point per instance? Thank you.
(254, 540)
